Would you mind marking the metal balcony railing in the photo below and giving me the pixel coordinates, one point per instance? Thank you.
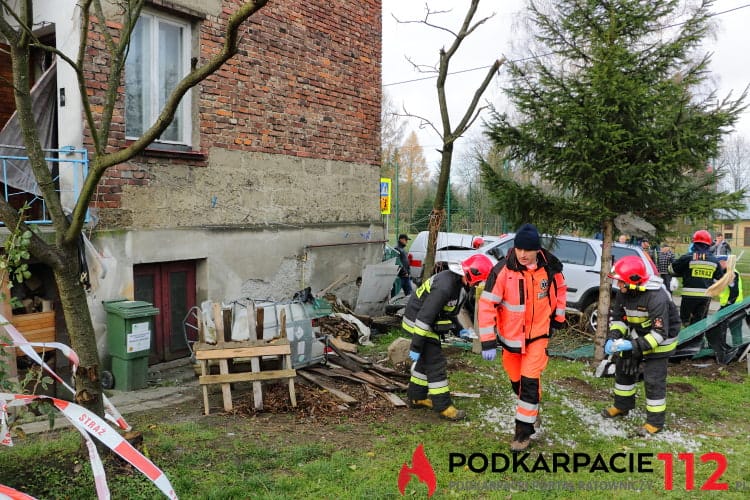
(69, 167)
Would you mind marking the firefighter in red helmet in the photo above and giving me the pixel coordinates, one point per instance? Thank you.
(643, 330)
(698, 270)
(429, 314)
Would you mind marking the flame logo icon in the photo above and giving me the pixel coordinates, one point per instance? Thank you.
(421, 468)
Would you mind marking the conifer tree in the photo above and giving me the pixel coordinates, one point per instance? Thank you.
(612, 116)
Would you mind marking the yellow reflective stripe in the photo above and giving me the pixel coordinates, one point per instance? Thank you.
(656, 408)
(624, 393)
(438, 390)
(426, 334)
(694, 292)
(651, 340)
(619, 327)
(625, 390)
(418, 381)
(663, 348)
(635, 313)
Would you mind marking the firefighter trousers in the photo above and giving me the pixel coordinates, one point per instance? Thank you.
(655, 383)
(693, 309)
(429, 377)
(525, 371)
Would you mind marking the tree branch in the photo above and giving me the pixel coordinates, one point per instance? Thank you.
(101, 163)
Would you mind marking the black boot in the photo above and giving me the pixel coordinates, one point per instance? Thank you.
(522, 437)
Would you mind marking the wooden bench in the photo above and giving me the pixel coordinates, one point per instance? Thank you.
(226, 351)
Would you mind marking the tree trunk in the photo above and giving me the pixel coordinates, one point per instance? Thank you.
(82, 336)
(438, 209)
(605, 291)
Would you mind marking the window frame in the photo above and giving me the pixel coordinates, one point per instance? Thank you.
(184, 109)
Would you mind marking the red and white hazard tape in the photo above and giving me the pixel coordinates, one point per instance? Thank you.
(89, 424)
(19, 341)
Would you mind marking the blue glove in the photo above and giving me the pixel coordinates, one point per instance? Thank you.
(608, 346)
(489, 354)
(414, 355)
(622, 345)
(466, 333)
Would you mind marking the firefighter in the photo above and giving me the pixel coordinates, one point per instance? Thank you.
(522, 303)
(698, 270)
(430, 313)
(643, 328)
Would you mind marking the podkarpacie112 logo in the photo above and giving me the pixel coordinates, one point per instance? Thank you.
(421, 468)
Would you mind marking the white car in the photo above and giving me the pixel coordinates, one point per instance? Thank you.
(581, 258)
(448, 245)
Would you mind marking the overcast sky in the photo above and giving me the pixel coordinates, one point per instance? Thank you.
(730, 68)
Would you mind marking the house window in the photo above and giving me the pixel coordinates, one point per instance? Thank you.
(158, 58)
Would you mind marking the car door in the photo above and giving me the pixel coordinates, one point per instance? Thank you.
(580, 265)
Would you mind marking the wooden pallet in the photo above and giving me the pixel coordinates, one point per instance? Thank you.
(35, 327)
(225, 351)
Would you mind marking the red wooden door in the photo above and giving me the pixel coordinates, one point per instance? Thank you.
(169, 286)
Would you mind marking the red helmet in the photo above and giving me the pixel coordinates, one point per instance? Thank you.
(476, 268)
(630, 270)
(702, 236)
(477, 242)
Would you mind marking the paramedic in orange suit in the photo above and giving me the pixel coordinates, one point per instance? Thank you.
(522, 304)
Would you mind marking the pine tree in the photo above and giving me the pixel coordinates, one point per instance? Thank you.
(612, 118)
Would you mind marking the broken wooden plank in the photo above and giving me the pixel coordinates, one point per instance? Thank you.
(343, 359)
(396, 383)
(345, 346)
(317, 380)
(465, 395)
(344, 374)
(362, 361)
(393, 399)
(252, 334)
(384, 370)
(374, 380)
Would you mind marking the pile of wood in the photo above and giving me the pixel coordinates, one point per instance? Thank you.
(344, 365)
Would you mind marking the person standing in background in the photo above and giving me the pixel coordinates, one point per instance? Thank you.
(698, 270)
(663, 261)
(404, 273)
(720, 246)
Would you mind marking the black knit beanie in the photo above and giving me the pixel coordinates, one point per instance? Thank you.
(527, 238)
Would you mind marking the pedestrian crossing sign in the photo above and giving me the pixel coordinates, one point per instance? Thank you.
(385, 196)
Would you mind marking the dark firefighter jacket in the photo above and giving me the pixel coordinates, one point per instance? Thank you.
(647, 316)
(431, 309)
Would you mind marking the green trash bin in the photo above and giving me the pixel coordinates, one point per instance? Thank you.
(130, 325)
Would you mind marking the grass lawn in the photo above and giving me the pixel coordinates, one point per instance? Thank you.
(322, 450)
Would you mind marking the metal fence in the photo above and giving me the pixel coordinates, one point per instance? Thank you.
(69, 167)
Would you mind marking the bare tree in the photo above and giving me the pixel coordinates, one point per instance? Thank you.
(448, 133)
(61, 254)
(734, 163)
(391, 134)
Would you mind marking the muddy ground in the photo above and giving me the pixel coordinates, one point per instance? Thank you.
(320, 412)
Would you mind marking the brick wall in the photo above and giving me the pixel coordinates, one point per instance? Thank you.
(305, 83)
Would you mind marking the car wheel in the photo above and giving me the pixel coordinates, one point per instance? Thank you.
(589, 317)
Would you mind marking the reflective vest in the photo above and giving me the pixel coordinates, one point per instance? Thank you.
(518, 304)
(734, 286)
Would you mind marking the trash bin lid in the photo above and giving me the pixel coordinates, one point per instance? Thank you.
(130, 308)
